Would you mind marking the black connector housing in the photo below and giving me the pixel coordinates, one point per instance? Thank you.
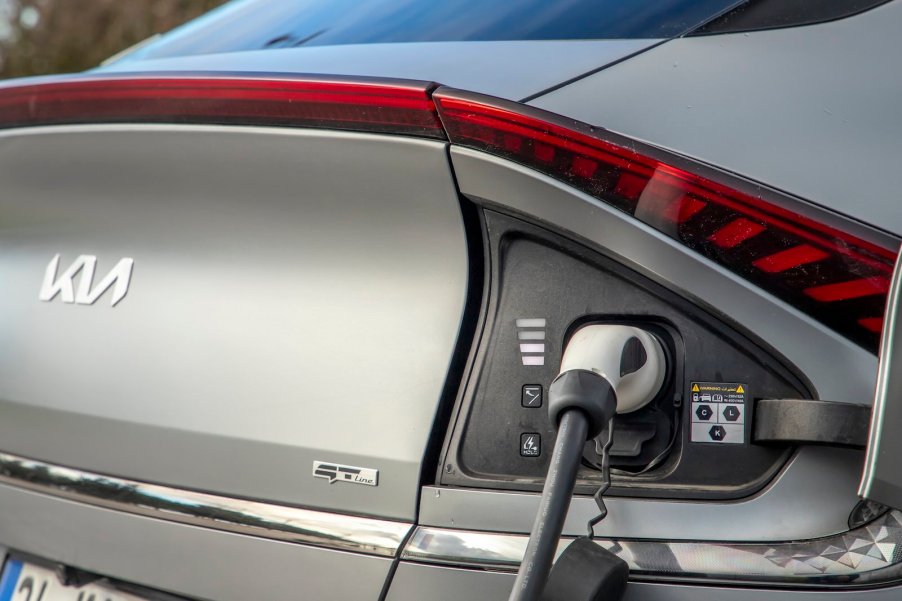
(587, 391)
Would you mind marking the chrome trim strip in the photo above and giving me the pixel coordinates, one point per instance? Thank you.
(869, 554)
(277, 522)
(886, 390)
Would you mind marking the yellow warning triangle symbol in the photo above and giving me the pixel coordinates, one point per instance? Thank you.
(695, 388)
(740, 390)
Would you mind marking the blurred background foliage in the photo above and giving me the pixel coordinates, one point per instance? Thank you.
(39, 37)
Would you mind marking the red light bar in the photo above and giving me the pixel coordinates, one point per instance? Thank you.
(402, 108)
(736, 232)
(832, 274)
(789, 258)
(846, 290)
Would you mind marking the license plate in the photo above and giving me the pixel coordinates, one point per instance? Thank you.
(22, 581)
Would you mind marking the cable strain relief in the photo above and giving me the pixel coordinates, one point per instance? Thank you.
(587, 391)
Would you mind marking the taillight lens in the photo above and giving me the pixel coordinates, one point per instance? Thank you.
(360, 105)
(838, 277)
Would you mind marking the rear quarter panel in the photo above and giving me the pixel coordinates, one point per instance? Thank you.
(296, 296)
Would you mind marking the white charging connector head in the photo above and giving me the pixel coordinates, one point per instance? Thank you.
(601, 347)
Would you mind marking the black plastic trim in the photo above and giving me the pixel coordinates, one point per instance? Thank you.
(806, 421)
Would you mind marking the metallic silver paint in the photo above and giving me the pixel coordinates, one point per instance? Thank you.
(418, 582)
(511, 70)
(811, 497)
(881, 480)
(870, 551)
(242, 516)
(808, 110)
(66, 530)
(328, 262)
(199, 563)
(244, 465)
(415, 582)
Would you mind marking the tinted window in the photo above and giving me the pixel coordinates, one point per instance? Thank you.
(259, 24)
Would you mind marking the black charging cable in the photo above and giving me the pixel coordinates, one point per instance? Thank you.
(580, 403)
(540, 552)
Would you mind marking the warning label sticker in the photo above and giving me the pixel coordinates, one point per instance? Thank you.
(718, 412)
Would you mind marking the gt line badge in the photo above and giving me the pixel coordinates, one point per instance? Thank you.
(334, 472)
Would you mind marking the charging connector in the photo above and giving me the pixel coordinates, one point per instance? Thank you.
(606, 369)
(631, 359)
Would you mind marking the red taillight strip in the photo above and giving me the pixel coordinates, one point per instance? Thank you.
(378, 107)
(829, 293)
(833, 274)
(789, 258)
(460, 115)
(736, 232)
(873, 324)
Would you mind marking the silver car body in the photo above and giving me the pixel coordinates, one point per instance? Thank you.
(298, 296)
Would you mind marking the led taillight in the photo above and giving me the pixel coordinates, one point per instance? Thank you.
(360, 105)
(836, 272)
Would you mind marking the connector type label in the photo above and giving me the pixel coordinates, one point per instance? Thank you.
(718, 412)
(334, 472)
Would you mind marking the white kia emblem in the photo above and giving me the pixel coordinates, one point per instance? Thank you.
(86, 293)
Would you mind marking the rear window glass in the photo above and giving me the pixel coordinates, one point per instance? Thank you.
(261, 24)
